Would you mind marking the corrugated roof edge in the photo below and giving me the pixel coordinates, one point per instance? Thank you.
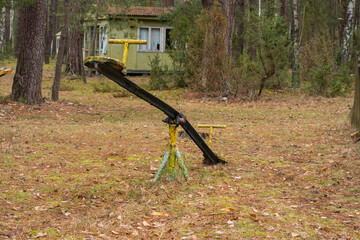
(141, 11)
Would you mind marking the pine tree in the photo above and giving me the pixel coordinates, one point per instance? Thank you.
(31, 36)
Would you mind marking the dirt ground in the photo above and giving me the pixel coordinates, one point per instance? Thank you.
(81, 168)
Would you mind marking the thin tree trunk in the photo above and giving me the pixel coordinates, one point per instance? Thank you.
(31, 30)
(205, 59)
(240, 6)
(295, 81)
(342, 23)
(73, 64)
(252, 7)
(284, 10)
(356, 14)
(55, 28)
(7, 28)
(355, 113)
(94, 35)
(51, 32)
(60, 56)
(82, 69)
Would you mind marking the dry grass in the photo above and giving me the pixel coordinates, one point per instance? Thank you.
(81, 168)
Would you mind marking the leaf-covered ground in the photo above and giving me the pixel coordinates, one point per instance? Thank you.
(81, 168)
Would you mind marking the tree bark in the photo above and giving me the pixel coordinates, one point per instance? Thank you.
(252, 8)
(51, 31)
(94, 35)
(356, 14)
(294, 34)
(355, 113)
(73, 63)
(228, 7)
(207, 3)
(240, 7)
(342, 23)
(284, 10)
(60, 56)
(29, 68)
(6, 38)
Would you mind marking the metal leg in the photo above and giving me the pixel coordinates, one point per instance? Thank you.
(182, 165)
(172, 158)
(163, 164)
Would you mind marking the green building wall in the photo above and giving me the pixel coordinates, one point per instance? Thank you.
(138, 61)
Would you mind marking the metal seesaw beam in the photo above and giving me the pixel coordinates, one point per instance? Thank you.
(107, 69)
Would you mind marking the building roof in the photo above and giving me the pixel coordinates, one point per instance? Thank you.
(140, 11)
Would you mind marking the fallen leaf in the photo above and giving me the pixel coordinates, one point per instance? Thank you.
(40, 234)
(253, 215)
(157, 214)
(227, 209)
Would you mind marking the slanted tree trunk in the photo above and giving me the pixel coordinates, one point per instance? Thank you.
(29, 68)
(94, 35)
(74, 64)
(51, 31)
(60, 56)
(355, 113)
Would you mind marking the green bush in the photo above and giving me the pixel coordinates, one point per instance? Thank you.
(159, 78)
(319, 70)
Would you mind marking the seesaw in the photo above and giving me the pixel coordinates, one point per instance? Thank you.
(116, 71)
(4, 71)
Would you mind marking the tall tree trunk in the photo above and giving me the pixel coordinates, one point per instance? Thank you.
(240, 7)
(228, 7)
(51, 30)
(81, 57)
(253, 7)
(356, 14)
(29, 68)
(55, 28)
(355, 113)
(94, 35)
(205, 59)
(73, 64)
(284, 10)
(7, 28)
(342, 23)
(60, 56)
(295, 78)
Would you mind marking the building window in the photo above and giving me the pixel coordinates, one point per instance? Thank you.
(168, 44)
(157, 39)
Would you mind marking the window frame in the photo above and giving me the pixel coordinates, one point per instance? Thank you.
(162, 39)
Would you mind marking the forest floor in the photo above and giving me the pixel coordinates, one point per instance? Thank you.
(81, 168)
